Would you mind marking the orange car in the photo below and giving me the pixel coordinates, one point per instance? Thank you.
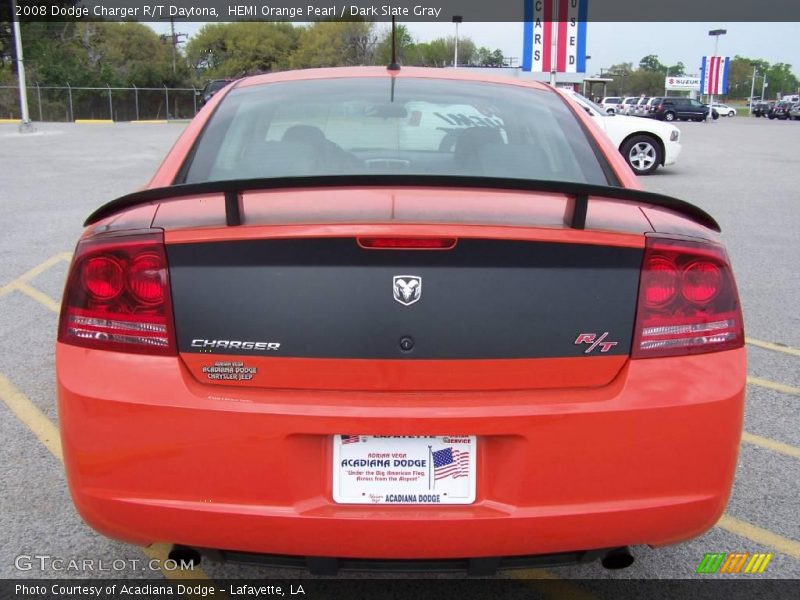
(399, 315)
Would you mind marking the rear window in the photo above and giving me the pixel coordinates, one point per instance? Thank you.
(367, 126)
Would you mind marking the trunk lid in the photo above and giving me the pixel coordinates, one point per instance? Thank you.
(322, 312)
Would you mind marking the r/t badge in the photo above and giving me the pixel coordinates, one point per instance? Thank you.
(594, 342)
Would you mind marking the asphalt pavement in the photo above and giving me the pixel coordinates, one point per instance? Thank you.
(743, 171)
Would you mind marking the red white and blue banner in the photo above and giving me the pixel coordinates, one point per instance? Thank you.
(714, 75)
(554, 36)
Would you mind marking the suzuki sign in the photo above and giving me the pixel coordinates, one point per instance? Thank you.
(682, 83)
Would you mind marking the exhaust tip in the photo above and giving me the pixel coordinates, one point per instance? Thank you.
(619, 558)
(184, 556)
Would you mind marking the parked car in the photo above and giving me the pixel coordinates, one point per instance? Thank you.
(399, 315)
(780, 110)
(761, 109)
(610, 104)
(211, 88)
(641, 107)
(644, 144)
(724, 110)
(685, 109)
(651, 105)
(794, 111)
(627, 105)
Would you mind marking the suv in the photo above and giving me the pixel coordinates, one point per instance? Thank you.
(761, 108)
(610, 104)
(780, 111)
(628, 104)
(681, 108)
(640, 108)
(211, 88)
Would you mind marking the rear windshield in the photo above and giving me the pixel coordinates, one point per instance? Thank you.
(368, 126)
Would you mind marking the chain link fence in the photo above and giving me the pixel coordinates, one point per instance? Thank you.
(68, 104)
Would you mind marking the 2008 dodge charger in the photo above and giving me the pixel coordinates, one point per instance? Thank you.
(399, 314)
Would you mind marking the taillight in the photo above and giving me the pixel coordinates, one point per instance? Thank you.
(117, 296)
(688, 303)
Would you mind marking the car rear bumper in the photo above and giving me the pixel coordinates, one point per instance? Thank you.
(152, 455)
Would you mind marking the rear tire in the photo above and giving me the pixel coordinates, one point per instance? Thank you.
(669, 116)
(642, 153)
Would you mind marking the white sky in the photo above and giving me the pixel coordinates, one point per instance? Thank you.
(611, 43)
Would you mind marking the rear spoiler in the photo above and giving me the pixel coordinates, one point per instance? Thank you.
(234, 188)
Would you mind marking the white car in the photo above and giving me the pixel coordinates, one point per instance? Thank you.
(628, 104)
(723, 110)
(610, 104)
(645, 144)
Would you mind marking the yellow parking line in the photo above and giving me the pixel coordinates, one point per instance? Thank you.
(760, 536)
(40, 297)
(34, 272)
(773, 385)
(772, 346)
(47, 433)
(27, 412)
(769, 444)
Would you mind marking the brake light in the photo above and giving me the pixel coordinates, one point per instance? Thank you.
(688, 303)
(406, 243)
(117, 296)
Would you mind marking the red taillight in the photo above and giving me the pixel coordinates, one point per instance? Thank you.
(117, 296)
(406, 243)
(102, 277)
(688, 303)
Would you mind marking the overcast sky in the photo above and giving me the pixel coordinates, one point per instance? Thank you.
(610, 43)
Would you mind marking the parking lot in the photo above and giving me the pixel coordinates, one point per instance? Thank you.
(741, 170)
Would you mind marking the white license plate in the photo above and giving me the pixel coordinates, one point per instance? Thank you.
(370, 469)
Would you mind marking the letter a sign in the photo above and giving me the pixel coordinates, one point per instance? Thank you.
(554, 36)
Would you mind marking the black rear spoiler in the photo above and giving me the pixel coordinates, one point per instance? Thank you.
(233, 189)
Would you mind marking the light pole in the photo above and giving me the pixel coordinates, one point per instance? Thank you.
(588, 58)
(752, 88)
(25, 125)
(764, 85)
(456, 19)
(715, 33)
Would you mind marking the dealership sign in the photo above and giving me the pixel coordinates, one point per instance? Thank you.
(682, 83)
(554, 36)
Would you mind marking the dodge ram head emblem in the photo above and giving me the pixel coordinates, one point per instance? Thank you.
(407, 289)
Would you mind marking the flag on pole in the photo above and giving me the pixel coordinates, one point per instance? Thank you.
(563, 21)
(714, 75)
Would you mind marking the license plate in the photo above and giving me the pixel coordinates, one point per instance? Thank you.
(369, 469)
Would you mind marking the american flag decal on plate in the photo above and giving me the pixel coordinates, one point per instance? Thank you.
(404, 469)
(450, 463)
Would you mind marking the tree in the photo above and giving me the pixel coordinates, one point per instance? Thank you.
(652, 64)
(335, 44)
(677, 70)
(488, 58)
(242, 48)
(620, 73)
(404, 46)
(781, 80)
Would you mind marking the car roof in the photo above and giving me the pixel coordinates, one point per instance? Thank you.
(404, 72)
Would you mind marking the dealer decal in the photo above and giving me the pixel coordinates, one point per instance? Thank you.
(229, 371)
